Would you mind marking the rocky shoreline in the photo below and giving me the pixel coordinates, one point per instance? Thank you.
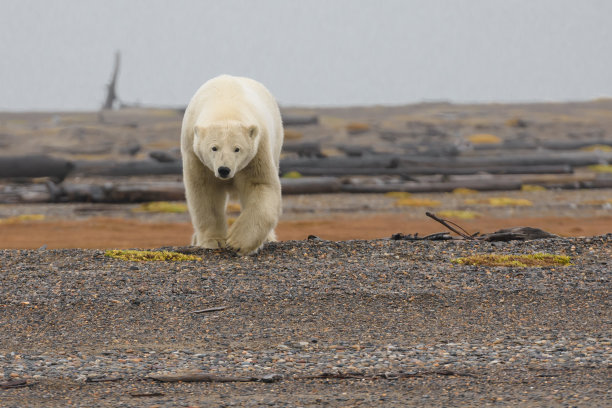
(309, 323)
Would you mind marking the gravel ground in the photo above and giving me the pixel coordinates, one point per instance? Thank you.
(355, 323)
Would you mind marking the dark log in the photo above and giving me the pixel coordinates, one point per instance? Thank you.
(416, 171)
(89, 193)
(133, 193)
(131, 168)
(355, 151)
(422, 161)
(441, 187)
(574, 144)
(303, 149)
(34, 166)
(310, 185)
(163, 156)
(601, 181)
(373, 161)
(517, 233)
(210, 310)
(17, 383)
(299, 120)
(574, 159)
(34, 193)
(199, 377)
(544, 144)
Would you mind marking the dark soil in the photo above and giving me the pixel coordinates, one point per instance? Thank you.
(359, 323)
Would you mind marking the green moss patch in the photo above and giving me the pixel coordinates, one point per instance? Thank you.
(601, 168)
(292, 175)
(522, 261)
(141, 256)
(161, 207)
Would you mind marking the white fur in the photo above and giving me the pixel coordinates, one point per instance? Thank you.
(232, 123)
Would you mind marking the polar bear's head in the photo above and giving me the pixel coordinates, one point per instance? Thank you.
(226, 148)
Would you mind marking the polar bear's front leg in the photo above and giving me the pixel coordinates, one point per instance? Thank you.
(207, 209)
(261, 208)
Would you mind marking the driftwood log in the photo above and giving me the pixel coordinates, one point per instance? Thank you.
(199, 376)
(299, 120)
(34, 166)
(435, 187)
(573, 159)
(311, 185)
(543, 144)
(128, 168)
(303, 149)
(407, 172)
(517, 234)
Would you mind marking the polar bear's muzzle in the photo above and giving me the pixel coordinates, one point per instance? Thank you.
(224, 172)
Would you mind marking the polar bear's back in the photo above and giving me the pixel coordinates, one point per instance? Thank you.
(243, 99)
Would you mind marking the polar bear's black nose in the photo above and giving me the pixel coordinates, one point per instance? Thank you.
(224, 171)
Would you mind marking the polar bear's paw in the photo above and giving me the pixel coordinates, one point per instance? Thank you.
(211, 243)
(243, 248)
(243, 244)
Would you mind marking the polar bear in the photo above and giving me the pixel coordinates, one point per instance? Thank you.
(231, 141)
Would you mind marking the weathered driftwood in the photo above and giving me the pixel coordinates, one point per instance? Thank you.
(543, 144)
(484, 184)
(373, 161)
(299, 120)
(457, 229)
(311, 185)
(199, 376)
(132, 193)
(439, 187)
(355, 150)
(163, 156)
(130, 168)
(517, 234)
(303, 149)
(574, 159)
(438, 236)
(210, 310)
(422, 161)
(415, 171)
(31, 193)
(506, 234)
(18, 383)
(34, 166)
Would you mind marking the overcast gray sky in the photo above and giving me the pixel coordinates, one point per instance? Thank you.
(58, 55)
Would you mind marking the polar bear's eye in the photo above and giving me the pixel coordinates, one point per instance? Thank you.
(214, 148)
(236, 150)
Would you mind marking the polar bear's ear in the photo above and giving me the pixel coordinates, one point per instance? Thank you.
(253, 131)
(198, 131)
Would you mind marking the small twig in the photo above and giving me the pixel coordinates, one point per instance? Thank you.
(212, 309)
(446, 223)
(382, 376)
(207, 377)
(102, 379)
(20, 383)
(147, 394)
